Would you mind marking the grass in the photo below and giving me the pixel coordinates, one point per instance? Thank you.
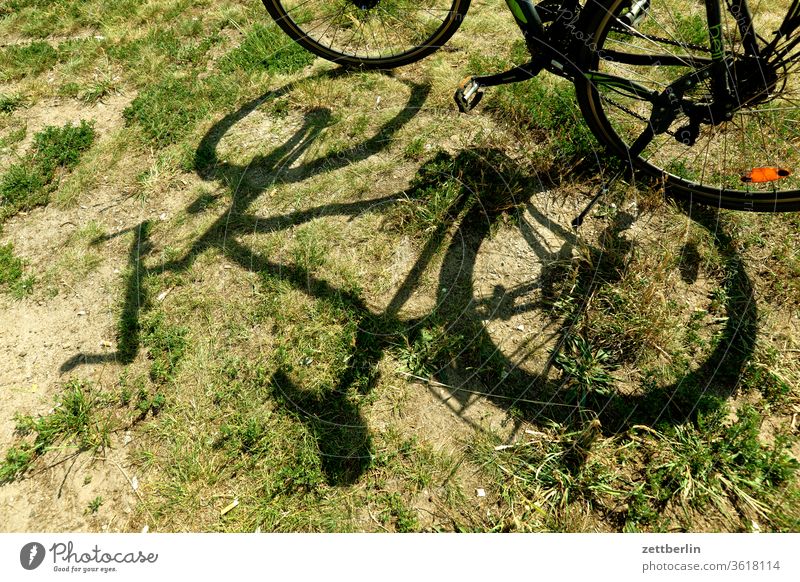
(167, 110)
(14, 136)
(722, 461)
(56, 150)
(12, 273)
(31, 59)
(9, 103)
(266, 49)
(166, 345)
(544, 106)
(75, 423)
(94, 505)
(711, 467)
(540, 479)
(329, 297)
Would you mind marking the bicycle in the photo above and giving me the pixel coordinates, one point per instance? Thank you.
(696, 95)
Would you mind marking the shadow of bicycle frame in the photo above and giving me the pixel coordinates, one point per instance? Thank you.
(341, 433)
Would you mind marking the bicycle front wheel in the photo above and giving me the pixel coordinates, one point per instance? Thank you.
(369, 33)
(751, 162)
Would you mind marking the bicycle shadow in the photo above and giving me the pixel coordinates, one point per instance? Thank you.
(540, 397)
(333, 417)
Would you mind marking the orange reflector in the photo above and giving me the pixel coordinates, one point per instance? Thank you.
(763, 175)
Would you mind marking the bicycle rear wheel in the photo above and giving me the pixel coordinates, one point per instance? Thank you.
(751, 162)
(369, 33)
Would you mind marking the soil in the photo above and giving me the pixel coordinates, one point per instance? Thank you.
(41, 333)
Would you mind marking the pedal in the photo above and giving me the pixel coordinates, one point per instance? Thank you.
(468, 94)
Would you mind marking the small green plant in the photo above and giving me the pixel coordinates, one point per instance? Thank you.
(96, 90)
(415, 149)
(9, 103)
(166, 346)
(146, 403)
(17, 461)
(398, 514)
(73, 421)
(429, 351)
(14, 136)
(94, 505)
(12, 269)
(28, 184)
(587, 369)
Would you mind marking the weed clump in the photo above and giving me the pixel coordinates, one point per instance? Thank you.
(21, 61)
(29, 183)
(166, 344)
(9, 103)
(12, 271)
(73, 421)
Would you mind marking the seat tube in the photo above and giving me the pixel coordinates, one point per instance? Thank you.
(719, 68)
(527, 17)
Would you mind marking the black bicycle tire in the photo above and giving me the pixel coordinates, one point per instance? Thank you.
(433, 43)
(595, 25)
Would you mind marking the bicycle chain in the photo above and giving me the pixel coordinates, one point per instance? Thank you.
(633, 113)
(653, 38)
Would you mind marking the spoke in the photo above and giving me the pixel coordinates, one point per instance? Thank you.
(386, 30)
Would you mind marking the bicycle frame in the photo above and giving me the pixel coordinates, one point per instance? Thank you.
(552, 59)
(554, 48)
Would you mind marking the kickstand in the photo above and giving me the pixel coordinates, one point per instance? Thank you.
(637, 148)
(604, 189)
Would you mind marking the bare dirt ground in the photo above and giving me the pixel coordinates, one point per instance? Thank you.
(43, 332)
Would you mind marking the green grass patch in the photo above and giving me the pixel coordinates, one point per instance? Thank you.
(12, 273)
(545, 106)
(714, 467)
(15, 135)
(266, 48)
(446, 186)
(543, 478)
(75, 422)
(62, 147)
(9, 103)
(166, 345)
(29, 60)
(717, 463)
(29, 183)
(168, 110)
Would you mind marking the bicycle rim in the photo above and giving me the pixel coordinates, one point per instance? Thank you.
(370, 33)
(751, 162)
